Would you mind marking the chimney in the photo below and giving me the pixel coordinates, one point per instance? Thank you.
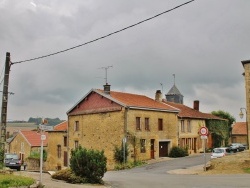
(158, 96)
(196, 105)
(106, 88)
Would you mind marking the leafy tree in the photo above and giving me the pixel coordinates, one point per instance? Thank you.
(225, 115)
(89, 164)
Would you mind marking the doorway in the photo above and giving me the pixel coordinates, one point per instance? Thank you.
(163, 149)
(152, 148)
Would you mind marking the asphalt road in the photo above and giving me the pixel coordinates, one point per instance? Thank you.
(156, 175)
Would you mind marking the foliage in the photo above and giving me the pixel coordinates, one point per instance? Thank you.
(122, 166)
(247, 170)
(51, 121)
(1, 158)
(68, 176)
(225, 115)
(178, 152)
(219, 131)
(89, 164)
(36, 155)
(10, 180)
(119, 154)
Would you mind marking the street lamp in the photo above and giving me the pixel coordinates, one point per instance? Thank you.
(241, 114)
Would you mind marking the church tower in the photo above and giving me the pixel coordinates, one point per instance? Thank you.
(174, 95)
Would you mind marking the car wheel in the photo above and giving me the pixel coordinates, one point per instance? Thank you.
(18, 168)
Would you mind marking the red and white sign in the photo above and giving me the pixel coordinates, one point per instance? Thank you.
(204, 131)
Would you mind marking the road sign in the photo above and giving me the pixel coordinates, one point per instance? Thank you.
(46, 127)
(203, 137)
(204, 131)
(43, 137)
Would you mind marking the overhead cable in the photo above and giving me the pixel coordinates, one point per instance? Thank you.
(105, 36)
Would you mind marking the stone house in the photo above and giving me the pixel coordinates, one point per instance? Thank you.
(26, 142)
(190, 121)
(57, 147)
(239, 133)
(103, 119)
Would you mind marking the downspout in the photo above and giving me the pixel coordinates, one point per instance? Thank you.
(125, 133)
(68, 161)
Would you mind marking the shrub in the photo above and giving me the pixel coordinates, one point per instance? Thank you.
(89, 164)
(122, 166)
(8, 180)
(119, 154)
(68, 176)
(178, 152)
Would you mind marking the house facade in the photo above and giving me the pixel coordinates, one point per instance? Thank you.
(57, 157)
(239, 133)
(26, 142)
(190, 120)
(103, 119)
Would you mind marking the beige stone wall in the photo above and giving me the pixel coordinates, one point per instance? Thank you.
(191, 139)
(100, 131)
(19, 145)
(247, 87)
(55, 161)
(104, 131)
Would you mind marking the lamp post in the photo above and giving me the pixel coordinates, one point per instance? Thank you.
(241, 114)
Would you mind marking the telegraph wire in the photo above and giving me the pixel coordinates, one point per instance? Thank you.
(105, 36)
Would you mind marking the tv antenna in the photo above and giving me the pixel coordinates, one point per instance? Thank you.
(106, 72)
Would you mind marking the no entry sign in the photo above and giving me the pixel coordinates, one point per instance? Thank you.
(204, 131)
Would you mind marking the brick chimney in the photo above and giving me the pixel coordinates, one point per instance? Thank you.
(196, 105)
(106, 88)
(158, 96)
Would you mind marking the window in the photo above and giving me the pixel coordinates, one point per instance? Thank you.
(59, 151)
(160, 124)
(143, 145)
(189, 126)
(76, 125)
(76, 144)
(65, 141)
(147, 124)
(138, 123)
(182, 126)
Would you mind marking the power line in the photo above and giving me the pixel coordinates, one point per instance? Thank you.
(105, 36)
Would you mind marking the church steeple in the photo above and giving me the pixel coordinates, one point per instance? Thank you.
(174, 95)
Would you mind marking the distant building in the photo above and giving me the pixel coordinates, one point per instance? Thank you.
(239, 133)
(174, 95)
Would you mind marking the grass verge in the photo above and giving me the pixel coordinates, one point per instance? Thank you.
(10, 180)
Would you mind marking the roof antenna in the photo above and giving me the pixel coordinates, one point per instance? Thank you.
(106, 72)
(174, 78)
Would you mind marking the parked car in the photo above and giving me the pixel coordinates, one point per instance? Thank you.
(12, 161)
(235, 147)
(220, 152)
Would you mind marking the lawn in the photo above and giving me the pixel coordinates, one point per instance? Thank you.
(10, 180)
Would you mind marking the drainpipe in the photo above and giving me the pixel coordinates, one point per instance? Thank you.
(68, 143)
(124, 140)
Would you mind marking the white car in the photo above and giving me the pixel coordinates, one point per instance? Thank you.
(219, 152)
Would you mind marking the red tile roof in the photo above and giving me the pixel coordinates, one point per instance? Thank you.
(188, 112)
(139, 101)
(239, 128)
(61, 126)
(34, 138)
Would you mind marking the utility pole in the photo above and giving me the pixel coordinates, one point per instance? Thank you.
(4, 109)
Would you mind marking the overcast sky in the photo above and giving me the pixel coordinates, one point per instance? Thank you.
(202, 43)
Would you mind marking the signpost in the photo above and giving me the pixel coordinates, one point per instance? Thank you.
(204, 132)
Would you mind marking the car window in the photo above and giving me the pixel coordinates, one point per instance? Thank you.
(217, 150)
(11, 156)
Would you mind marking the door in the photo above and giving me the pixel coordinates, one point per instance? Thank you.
(152, 148)
(65, 158)
(163, 149)
(195, 148)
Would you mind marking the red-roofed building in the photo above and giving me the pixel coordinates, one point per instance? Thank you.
(57, 147)
(103, 118)
(26, 142)
(239, 133)
(190, 122)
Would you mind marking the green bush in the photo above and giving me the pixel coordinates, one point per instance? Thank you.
(119, 154)
(178, 152)
(36, 155)
(89, 164)
(68, 176)
(122, 166)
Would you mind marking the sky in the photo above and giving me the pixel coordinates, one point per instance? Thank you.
(202, 43)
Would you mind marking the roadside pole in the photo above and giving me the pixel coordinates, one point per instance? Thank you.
(204, 132)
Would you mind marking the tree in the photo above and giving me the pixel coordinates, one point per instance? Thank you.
(225, 115)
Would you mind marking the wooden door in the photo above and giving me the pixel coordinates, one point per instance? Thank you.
(163, 149)
(152, 148)
(65, 158)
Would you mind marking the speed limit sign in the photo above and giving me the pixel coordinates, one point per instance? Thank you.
(204, 131)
